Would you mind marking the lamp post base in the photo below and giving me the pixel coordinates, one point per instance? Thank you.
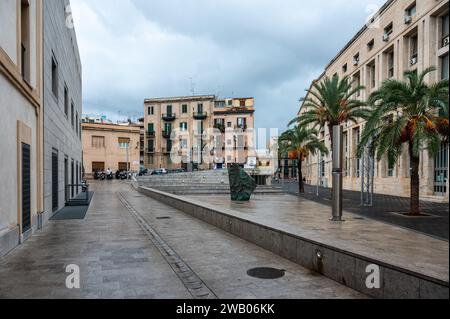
(337, 219)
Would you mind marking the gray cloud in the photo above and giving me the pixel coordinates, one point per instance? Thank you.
(272, 50)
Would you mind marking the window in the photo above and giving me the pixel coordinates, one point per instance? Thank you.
(370, 45)
(242, 103)
(76, 121)
(389, 29)
(151, 110)
(184, 144)
(124, 142)
(25, 40)
(168, 128)
(98, 142)
(151, 146)
(242, 123)
(150, 128)
(390, 64)
(445, 30)
(356, 59)
(66, 101)
(229, 124)
(387, 32)
(169, 145)
(183, 127)
(184, 108)
(344, 68)
(220, 104)
(54, 77)
(444, 67)
(72, 114)
(411, 11)
(357, 83)
(391, 166)
(413, 49)
(372, 74)
(200, 108)
(169, 109)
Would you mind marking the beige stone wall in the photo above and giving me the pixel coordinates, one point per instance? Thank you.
(21, 107)
(426, 25)
(110, 154)
(155, 109)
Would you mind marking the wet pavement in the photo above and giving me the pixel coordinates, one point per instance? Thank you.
(118, 257)
(386, 208)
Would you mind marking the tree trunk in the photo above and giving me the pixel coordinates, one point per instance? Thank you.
(301, 185)
(415, 184)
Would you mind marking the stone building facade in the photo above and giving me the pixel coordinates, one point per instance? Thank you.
(113, 146)
(62, 106)
(21, 146)
(404, 35)
(198, 132)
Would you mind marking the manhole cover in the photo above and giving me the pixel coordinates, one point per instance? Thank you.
(266, 273)
(164, 217)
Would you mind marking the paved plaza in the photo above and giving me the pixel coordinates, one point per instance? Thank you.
(385, 208)
(117, 259)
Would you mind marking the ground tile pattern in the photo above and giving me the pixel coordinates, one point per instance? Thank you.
(117, 259)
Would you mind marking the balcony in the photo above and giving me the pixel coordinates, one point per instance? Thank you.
(150, 150)
(166, 134)
(169, 117)
(200, 116)
(166, 151)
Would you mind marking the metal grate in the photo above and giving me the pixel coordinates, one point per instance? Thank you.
(26, 188)
(55, 178)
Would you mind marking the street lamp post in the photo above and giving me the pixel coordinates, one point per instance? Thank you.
(337, 173)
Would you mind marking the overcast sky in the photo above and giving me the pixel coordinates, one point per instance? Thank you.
(268, 49)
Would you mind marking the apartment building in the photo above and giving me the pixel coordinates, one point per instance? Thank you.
(113, 146)
(21, 166)
(62, 75)
(198, 132)
(403, 35)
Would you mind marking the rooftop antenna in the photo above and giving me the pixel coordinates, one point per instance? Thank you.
(192, 86)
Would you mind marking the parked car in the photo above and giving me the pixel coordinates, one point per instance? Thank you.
(159, 171)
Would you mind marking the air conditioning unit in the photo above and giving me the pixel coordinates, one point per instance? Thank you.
(445, 41)
(386, 37)
(413, 61)
(408, 19)
(355, 61)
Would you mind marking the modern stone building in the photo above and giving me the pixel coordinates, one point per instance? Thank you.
(62, 106)
(404, 35)
(21, 166)
(198, 132)
(113, 146)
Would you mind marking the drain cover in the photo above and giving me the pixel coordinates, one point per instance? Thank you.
(165, 217)
(266, 273)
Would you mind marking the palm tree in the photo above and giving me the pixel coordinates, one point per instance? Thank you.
(301, 141)
(416, 123)
(332, 103)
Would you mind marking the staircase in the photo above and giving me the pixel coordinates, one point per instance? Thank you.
(202, 182)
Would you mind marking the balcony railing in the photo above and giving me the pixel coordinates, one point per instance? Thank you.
(166, 151)
(166, 133)
(150, 150)
(242, 127)
(169, 117)
(200, 115)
